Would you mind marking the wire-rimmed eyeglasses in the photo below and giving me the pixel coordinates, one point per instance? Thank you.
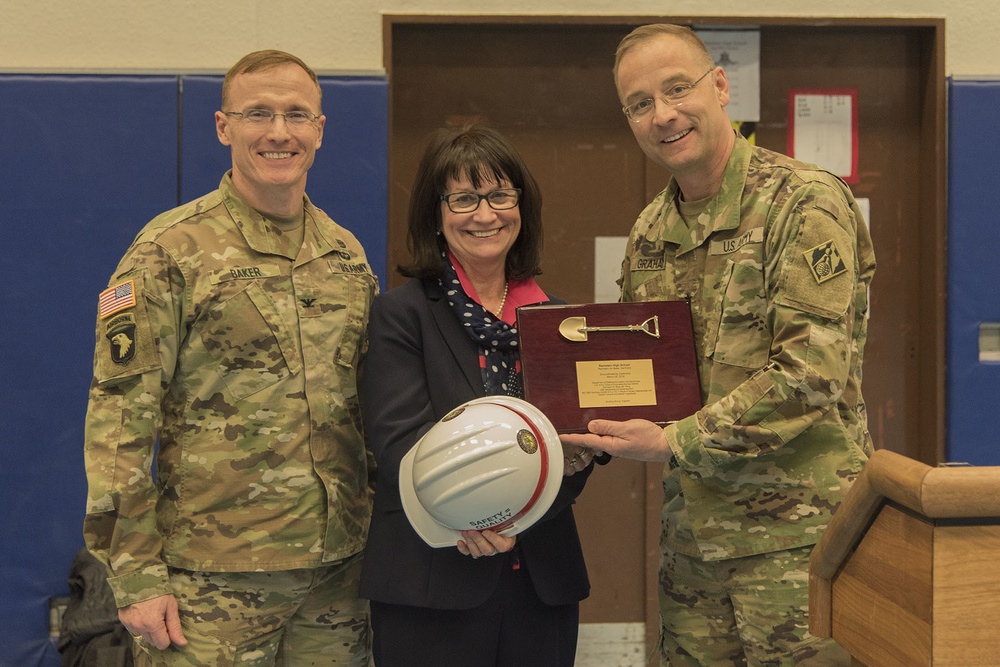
(466, 202)
(673, 97)
(266, 116)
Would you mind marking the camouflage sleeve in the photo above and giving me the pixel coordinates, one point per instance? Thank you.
(133, 364)
(624, 281)
(370, 461)
(811, 279)
(627, 294)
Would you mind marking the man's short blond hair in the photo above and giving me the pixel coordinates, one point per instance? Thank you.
(262, 60)
(645, 33)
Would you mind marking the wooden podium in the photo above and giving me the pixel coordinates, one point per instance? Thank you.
(908, 571)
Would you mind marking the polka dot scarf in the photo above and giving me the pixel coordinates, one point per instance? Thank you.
(499, 357)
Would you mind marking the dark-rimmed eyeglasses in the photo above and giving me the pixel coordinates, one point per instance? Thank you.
(466, 202)
(672, 97)
(266, 116)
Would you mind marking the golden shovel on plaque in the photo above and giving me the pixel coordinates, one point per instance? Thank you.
(575, 328)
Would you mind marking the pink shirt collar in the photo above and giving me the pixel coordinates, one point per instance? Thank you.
(519, 292)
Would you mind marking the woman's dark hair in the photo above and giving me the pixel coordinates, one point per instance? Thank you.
(484, 155)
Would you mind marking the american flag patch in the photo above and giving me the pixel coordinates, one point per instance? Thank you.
(116, 298)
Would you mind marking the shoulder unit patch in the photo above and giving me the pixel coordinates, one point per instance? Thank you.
(825, 261)
(122, 339)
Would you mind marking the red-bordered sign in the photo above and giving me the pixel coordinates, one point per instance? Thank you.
(823, 129)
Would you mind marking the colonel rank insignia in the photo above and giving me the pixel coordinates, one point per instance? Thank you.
(825, 262)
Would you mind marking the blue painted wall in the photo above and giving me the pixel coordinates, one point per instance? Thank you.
(973, 269)
(87, 162)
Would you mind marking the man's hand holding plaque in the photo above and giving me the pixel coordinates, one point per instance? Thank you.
(637, 439)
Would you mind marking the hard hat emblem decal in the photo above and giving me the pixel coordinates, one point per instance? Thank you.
(527, 441)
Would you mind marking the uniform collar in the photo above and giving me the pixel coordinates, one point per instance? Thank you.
(721, 212)
(263, 237)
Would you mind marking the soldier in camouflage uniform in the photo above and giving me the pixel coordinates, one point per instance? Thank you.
(776, 261)
(229, 486)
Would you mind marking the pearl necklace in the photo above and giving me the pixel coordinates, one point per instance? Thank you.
(499, 311)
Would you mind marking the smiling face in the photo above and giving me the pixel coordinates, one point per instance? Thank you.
(692, 140)
(481, 238)
(271, 160)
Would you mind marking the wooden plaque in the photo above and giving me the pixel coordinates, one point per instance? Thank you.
(609, 361)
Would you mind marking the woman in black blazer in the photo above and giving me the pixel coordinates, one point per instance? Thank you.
(492, 599)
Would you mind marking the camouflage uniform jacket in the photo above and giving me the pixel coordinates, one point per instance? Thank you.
(777, 271)
(240, 356)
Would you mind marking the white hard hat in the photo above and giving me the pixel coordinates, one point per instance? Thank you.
(491, 463)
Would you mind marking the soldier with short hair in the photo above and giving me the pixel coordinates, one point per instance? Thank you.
(229, 485)
(776, 260)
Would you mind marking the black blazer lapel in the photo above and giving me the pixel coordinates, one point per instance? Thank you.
(464, 351)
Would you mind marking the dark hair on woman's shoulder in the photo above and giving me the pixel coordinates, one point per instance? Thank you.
(484, 155)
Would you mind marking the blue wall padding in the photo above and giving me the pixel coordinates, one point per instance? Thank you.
(349, 179)
(973, 269)
(86, 161)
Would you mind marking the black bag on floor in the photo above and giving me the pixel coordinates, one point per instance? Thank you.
(90, 634)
